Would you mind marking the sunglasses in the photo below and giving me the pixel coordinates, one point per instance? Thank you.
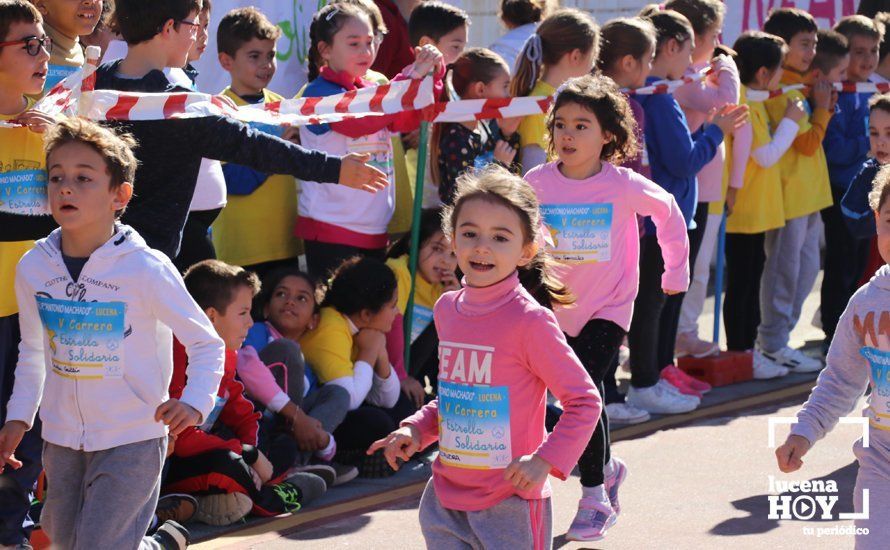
(33, 45)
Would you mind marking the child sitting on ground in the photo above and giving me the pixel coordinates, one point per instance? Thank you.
(219, 460)
(435, 275)
(348, 349)
(276, 377)
(857, 361)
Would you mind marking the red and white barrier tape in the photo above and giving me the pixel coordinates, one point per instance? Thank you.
(857, 87)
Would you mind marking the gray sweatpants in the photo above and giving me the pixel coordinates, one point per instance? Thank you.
(874, 475)
(102, 499)
(792, 265)
(511, 524)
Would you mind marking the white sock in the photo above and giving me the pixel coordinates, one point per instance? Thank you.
(598, 492)
(328, 452)
(609, 469)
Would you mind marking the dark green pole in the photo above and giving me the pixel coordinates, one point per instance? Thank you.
(415, 236)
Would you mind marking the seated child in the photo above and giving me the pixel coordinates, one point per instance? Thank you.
(219, 459)
(275, 375)
(436, 265)
(857, 361)
(348, 349)
(95, 350)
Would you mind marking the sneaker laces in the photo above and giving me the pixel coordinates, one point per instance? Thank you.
(289, 494)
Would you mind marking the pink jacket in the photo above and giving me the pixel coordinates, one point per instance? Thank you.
(697, 100)
(593, 224)
(499, 353)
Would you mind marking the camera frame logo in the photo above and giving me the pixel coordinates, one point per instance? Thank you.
(810, 499)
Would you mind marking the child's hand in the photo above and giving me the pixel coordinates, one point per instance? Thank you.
(731, 195)
(414, 391)
(426, 58)
(503, 153)
(305, 431)
(355, 173)
(527, 471)
(411, 140)
(402, 443)
(794, 111)
(291, 134)
(36, 121)
(177, 415)
(262, 467)
(369, 342)
(509, 126)
(790, 453)
(730, 117)
(449, 281)
(11, 435)
(670, 292)
(822, 94)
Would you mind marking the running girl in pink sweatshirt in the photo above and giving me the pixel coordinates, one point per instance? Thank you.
(500, 351)
(590, 206)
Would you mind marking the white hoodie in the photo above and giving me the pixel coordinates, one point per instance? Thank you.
(99, 350)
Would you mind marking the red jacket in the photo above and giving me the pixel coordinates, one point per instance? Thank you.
(395, 51)
(237, 414)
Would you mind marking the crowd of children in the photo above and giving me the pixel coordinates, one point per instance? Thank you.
(175, 386)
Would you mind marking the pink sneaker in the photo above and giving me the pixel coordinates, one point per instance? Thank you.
(592, 521)
(671, 378)
(614, 482)
(691, 381)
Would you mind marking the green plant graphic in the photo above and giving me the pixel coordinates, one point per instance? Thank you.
(297, 36)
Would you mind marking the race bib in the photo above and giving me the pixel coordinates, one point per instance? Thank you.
(880, 376)
(23, 192)
(85, 338)
(423, 316)
(474, 426)
(56, 74)
(581, 233)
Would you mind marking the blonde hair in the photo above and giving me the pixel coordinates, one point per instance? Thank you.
(496, 185)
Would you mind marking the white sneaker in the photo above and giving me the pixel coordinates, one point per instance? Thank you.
(765, 368)
(659, 399)
(623, 413)
(794, 360)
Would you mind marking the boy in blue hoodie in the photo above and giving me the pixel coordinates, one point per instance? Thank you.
(97, 351)
(846, 144)
(858, 360)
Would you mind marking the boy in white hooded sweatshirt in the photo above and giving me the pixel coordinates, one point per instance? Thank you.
(96, 311)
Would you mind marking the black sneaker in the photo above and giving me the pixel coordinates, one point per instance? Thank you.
(288, 496)
(172, 536)
(324, 471)
(345, 473)
(177, 507)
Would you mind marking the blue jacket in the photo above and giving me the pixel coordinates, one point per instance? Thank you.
(675, 155)
(846, 139)
(857, 213)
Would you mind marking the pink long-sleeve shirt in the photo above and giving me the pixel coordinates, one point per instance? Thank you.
(697, 99)
(499, 353)
(593, 223)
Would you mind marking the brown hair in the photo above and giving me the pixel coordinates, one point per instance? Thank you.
(632, 36)
(242, 25)
(702, 14)
(434, 20)
(859, 25)
(139, 21)
(880, 188)
(669, 24)
(326, 23)
(756, 49)
(16, 11)
(115, 149)
(378, 25)
(601, 96)
(786, 23)
(563, 32)
(880, 102)
(516, 13)
(471, 66)
(213, 283)
(496, 185)
(831, 47)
